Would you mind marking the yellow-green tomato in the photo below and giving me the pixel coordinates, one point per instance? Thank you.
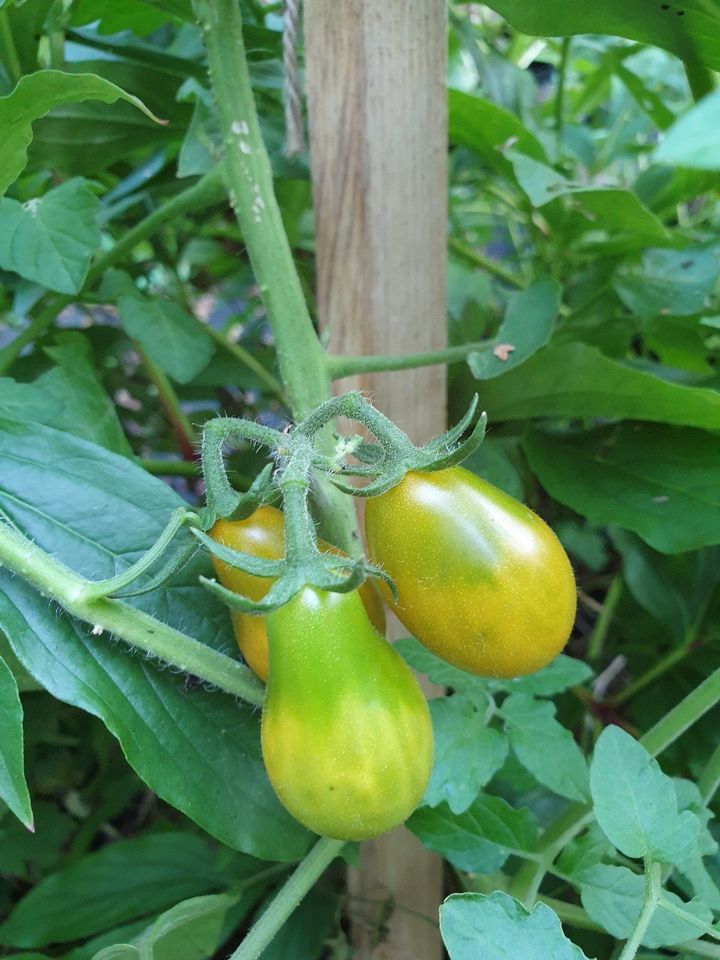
(483, 582)
(262, 534)
(346, 731)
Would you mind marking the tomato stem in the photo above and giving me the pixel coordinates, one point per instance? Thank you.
(653, 890)
(56, 581)
(288, 898)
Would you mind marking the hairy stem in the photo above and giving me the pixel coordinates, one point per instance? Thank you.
(250, 181)
(56, 581)
(248, 172)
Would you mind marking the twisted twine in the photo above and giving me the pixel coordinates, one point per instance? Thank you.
(294, 130)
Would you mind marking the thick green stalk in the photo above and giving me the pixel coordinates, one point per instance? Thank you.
(250, 181)
(248, 172)
(206, 191)
(672, 726)
(287, 899)
(56, 581)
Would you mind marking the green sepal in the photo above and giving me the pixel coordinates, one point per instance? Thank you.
(257, 566)
(278, 595)
(451, 436)
(462, 450)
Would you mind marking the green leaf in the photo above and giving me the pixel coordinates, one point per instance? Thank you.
(562, 673)
(94, 895)
(198, 750)
(119, 951)
(487, 129)
(613, 897)
(188, 931)
(675, 282)
(541, 183)
(576, 380)
(690, 29)
(171, 337)
(78, 401)
(440, 672)
(68, 397)
(650, 101)
(474, 926)
(657, 481)
(480, 839)
(694, 139)
(527, 326)
(676, 590)
(618, 211)
(35, 95)
(51, 239)
(13, 788)
(492, 463)
(467, 753)
(26, 855)
(635, 803)
(142, 17)
(544, 747)
(584, 853)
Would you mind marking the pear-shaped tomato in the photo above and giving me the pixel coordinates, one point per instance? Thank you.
(346, 731)
(263, 535)
(483, 582)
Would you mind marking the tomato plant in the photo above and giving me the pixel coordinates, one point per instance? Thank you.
(483, 582)
(346, 732)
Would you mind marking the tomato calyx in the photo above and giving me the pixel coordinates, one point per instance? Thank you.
(296, 460)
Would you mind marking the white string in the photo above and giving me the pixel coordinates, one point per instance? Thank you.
(294, 130)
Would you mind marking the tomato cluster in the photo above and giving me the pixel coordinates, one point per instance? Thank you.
(482, 581)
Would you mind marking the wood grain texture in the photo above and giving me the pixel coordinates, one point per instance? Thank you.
(375, 78)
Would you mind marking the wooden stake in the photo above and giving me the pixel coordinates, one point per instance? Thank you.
(375, 74)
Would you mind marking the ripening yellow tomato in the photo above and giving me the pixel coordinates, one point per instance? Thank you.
(346, 729)
(483, 582)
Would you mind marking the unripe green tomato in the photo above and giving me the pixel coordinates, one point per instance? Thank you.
(262, 534)
(346, 730)
(483, 582)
